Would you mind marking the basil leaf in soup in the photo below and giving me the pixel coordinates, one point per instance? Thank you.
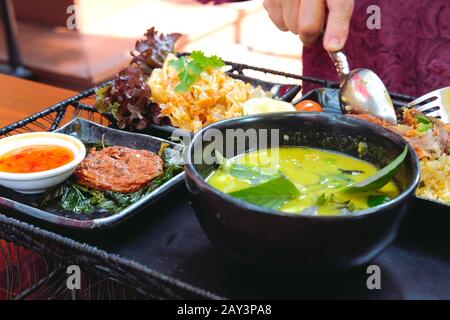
(253, 174)
(271, 194)
(382, 177)
(376, 200)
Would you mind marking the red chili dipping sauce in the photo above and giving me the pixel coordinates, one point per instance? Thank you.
(35, 158)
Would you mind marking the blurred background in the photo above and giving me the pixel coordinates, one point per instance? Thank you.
(106, 31)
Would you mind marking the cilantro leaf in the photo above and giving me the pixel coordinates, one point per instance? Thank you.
(189, 69)
(212, 61)
(178, 64)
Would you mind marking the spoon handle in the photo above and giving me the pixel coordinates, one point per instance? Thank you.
(341, 63)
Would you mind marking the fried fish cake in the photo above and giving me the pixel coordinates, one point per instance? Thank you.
(118, 169)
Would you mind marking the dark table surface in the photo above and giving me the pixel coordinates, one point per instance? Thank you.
(167, 237)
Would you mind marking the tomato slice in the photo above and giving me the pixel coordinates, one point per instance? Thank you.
(308, 106)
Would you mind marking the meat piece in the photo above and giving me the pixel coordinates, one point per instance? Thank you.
(430, 144)
(427, 145)
(119, 169)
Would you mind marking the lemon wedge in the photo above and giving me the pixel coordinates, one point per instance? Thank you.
(264, 105)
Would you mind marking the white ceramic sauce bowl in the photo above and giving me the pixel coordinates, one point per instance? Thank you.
(38, 182)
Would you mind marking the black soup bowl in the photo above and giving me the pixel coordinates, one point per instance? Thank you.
(265, 237)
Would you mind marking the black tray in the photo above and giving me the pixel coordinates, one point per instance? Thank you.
(163, 252)
(90, 132)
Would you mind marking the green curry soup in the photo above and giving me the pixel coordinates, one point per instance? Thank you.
(303, 180)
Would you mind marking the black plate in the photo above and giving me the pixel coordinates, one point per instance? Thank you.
(329, 100)
(88, 131)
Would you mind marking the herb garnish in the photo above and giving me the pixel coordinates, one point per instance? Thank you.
(269, 190)
(422, 127)
(254, 175)
(190, 67)
(271, 194)
(424, 124)
(382, 177)
(98, 145)
(422, 119)
(376, 200)
(335, 181)
(332, 199)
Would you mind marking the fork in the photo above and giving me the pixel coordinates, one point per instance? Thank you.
(434, 104)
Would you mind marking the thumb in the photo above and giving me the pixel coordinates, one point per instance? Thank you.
(336, 33)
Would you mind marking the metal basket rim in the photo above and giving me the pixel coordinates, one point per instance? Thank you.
(112, 259)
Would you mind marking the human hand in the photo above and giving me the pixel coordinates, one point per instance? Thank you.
(307, 19)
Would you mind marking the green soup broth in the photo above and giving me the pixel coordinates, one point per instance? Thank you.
(320, 177)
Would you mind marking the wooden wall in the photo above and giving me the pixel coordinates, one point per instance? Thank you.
(44, 12)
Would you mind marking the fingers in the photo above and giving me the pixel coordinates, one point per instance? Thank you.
(290, 9)
(307, 18)
(311, 20)
(274, 9)
(336, 33)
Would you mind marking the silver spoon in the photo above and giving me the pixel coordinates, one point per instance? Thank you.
(362, 91)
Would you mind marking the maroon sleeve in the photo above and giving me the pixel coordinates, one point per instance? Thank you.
(410, 51)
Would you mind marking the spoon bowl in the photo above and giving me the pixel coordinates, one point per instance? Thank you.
(362, 91)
